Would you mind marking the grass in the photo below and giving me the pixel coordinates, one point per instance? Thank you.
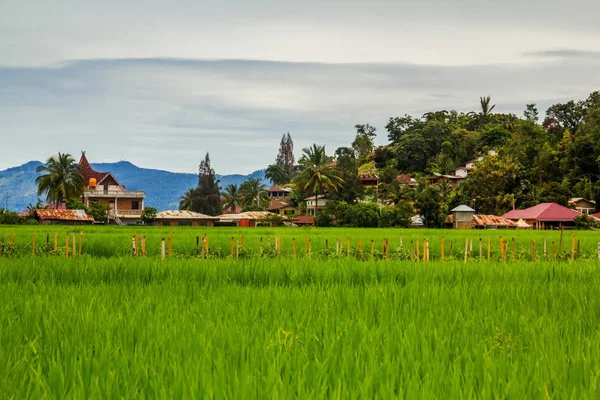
(99, 326)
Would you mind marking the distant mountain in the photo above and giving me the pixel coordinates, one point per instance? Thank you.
(163, 188)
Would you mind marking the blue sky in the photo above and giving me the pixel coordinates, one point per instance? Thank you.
(161, 83)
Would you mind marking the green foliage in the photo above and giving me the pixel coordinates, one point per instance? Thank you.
(397, 216)
(272, 220)
(254, 193)
(149, 214)
(99, 211)
(59, 179)
(285, 160)
(584, 221)
(76, 204)
(428, 203)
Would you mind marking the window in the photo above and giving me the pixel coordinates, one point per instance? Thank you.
(135, 205)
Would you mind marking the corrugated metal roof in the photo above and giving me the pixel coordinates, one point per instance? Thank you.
(277, 205)
(491, 220)
(182, 214)
(321, 196)
(245, 215)
(462, 208)
(544, 212)
(304, 220)
(279, 189)
(63, 215)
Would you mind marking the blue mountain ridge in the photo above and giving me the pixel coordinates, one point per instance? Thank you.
(163, 188)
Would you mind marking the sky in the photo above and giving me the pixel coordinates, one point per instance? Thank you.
(160, 83)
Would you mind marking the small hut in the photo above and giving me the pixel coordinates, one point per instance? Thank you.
(462, 217)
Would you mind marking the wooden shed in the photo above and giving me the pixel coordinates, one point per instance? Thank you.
(462, 217)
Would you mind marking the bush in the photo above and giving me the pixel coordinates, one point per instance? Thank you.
(99, 211)
(149, 214)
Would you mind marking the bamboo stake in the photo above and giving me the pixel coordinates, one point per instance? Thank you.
(427, 249)
(337, 246)
(310, 249)
(501, 240)
(489, 248)
(80, 240)
(237, 249)
(278, 245)
(480, 249)
(412, 255)
(134, 250)
(348, 246)
(442, 246)
(326, 246)
(137, 251)
(401, 245)
(170, 244)
(560, 243)
(231, 246)
(372, 248)
(598, 251)
(577, 249)
(572, 247)
(533, 250)
(260, 246)
(67, 245)
(451, 249)
(197, 244)
(242, 240)
(74, 245)
(162, 248)
(360, 248)
(471, 247)
(144, 245)
(385, 249)
(545, 252)
(55, 243)
(466, 248)
(294, 242)
(206, 244)
(33, 245)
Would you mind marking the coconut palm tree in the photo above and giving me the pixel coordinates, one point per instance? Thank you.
(485, 105)
(316, 174)
(186, 202)
(254, 192)
(233, 197)
(60, 179)
(277, 174)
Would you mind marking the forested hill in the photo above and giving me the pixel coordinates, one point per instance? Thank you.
(163, 188)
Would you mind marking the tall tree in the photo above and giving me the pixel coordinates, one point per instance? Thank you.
(285, 157)
(254, 193)
(277, 174)
(60, 179)
(233, 197)
(363, 143)
(317, 175)
(208, 192)
(486, 109)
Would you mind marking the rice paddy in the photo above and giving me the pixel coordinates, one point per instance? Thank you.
(329, 323)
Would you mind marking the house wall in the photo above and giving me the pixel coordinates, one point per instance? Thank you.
(288, 211)
(463, 220)
(585, 207)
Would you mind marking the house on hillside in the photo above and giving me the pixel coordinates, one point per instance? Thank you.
(278, 193)
(283, 208)
(545, 216)
(452, 180)
(62, 217)
(125, 205)
(368, 180)
(316, 203)
(582, 205)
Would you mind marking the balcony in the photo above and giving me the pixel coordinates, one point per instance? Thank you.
(114, 194)
(128, 213)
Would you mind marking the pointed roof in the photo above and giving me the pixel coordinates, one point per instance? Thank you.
(544, 212)
(462, 208)
(86, 170)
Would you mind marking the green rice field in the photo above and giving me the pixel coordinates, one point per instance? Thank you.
(326, 323)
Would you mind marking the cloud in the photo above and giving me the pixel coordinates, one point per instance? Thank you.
(166, 113)
(564, 53)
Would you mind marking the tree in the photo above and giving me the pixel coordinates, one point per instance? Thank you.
(363, 143)
(277, 174)
(60, 179)
(397, 216)
(428, 203)
(189, 199)
(99, 211)
(485, 105)
(254, 193)
(149, 215)
(317, 175)
(233, 197)
(285, 157)
(531, 113)
(209, 195)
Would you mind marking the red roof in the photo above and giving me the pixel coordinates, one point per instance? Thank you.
(277, 205)
(278, 189)
(63, 215)
(304, 220)
(544, 212)
(597, 215)
(86, 170)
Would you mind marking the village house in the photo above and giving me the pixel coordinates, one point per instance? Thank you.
(545, 216)
(125, 206)
(315, 204)
(278, 193)
(283, 208)
(245, 219)
(582, 205)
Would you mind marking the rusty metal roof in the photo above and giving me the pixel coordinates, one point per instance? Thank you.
(491, 220)
(182, 214)
(277, 205)
(245, 215)
(63, 215)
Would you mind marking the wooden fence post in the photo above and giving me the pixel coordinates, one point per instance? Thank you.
(466, 248)
(480, 249)
(260, 246)
(401, 244)
(598, 251)
(206, 244)
(74, 245)
(80, 240)
(412, 255)
(337, 246)
(360, 248)
(442, 247)
(137, 248)
(385, 249)
(133, 245)
(11, 243)
(55, 243)
(326, 246)
(197, 244)
(489, 248)
(560, 242)
(67, 245)
(2, 246)
(427, 249)
(545, 250)
(162, 249)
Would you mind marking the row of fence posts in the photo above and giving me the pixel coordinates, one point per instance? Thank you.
(236, 245)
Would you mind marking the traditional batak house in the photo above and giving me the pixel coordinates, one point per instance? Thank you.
(545, 216)
(125, 205)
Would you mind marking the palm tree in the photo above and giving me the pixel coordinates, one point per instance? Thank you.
(485, 105)
(254, 192)
(233, 197)
(316, 174)
(445, 190)
(277, 174)
(186, 202)
(60, 179)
